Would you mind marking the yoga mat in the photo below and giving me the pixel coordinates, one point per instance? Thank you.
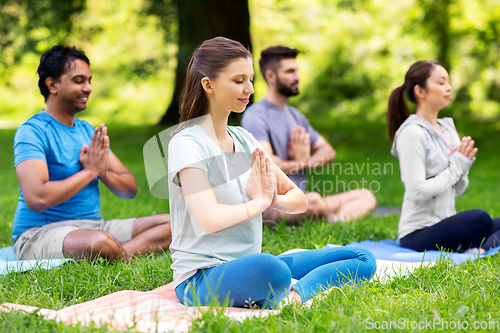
(389, 249)
(9, 262)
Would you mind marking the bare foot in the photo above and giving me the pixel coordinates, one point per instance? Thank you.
(295, 298)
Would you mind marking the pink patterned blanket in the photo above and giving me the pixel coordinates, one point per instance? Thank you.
(157, 310)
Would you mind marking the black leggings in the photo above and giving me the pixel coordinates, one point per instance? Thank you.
(469, 229)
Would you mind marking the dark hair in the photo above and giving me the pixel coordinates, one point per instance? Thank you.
(270, 57)
(398, 111)
(209, 59)
(55, 62)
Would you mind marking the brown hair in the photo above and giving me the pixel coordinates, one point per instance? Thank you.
(209, 59)
(270, 57)
(398, 111)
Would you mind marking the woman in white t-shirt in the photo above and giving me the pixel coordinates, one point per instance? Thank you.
(220, 181)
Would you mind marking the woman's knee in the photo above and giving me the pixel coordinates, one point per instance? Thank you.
(368, 263)
(274, 271)
(481, 217)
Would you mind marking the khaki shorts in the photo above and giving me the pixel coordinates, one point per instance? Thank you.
(46, 242)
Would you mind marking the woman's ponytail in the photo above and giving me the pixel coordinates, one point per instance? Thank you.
(398, 111)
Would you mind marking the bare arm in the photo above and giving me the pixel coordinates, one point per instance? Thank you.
(40, 193)
(289, 198)
(323, 153)
(286, 166)
(299, 151)
(215, 217)
(119, 179)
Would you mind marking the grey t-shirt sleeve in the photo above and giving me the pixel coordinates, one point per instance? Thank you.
(256, 123)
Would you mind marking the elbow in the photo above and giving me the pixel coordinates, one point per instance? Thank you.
(209, 224)
(127, 193)
(416, 197)
(130, 194)
(36, 205)
(333, 155)
(302, 204)
(131, 190)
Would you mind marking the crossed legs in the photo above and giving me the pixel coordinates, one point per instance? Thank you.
(345, 206)
(265, 279)
(150, 234)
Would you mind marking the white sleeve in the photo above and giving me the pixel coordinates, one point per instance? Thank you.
(184, 152)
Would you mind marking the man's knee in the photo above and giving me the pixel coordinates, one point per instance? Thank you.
(93, 244)
(368, 197)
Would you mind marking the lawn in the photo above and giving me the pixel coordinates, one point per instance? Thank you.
(443, 295)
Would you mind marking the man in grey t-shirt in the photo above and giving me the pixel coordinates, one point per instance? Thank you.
(293, 144)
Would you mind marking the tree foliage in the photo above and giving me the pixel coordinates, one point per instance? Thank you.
(33, 25)
(353, 51)
(199, 20)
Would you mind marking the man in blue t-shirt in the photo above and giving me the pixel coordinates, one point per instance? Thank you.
(59, 161)
(293, 144)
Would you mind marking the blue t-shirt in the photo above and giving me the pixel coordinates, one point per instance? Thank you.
(267, 122)
(44, 138)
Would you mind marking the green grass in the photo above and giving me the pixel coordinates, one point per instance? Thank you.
(467, 292)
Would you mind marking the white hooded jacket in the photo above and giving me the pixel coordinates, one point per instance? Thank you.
(431, 177)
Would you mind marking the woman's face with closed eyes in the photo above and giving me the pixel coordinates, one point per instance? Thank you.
(438, 89)
(232, 89)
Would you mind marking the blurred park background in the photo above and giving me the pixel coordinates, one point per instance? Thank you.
(353, 51)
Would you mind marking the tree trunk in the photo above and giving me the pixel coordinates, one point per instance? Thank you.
(200, 20)
(437, 20)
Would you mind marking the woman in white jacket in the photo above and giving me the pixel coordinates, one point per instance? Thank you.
(434, 166)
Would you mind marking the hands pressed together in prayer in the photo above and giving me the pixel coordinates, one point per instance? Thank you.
(96, 156)
(262, 182)
(299, 146)
(466, 148)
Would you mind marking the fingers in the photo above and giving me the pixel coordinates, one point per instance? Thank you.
(270, 172)
(465, 141)
(105, 144)
(307, 138)
(104, 135)
(97, 141)
(473, 153)
(466, 147)
(268, 167)
(84, 150)
(96, 138)
(262, 163)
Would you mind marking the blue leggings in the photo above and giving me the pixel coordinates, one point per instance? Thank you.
(464, 230)
(265, 279)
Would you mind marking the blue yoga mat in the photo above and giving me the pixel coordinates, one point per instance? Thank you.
(389, 249)
(9, 262)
